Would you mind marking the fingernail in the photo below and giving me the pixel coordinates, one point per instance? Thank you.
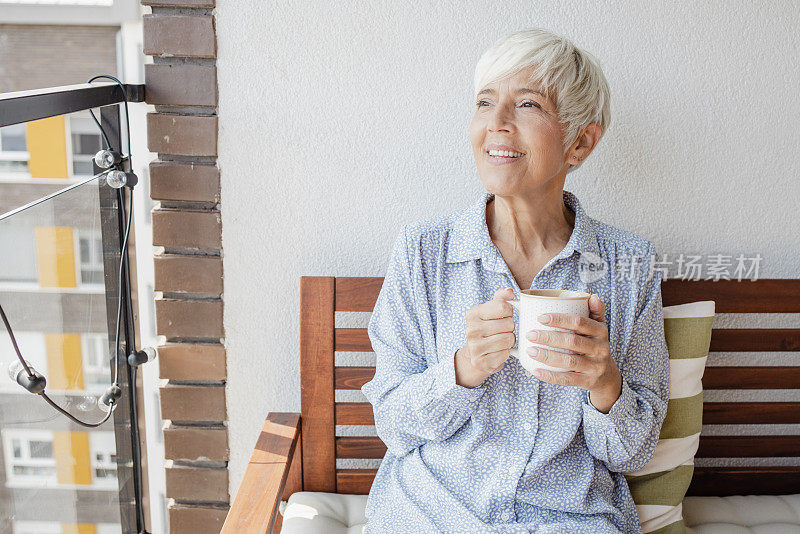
(544, 319)
(533, 351)
(533, 335)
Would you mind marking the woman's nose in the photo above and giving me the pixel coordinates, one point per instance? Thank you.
(499, 119)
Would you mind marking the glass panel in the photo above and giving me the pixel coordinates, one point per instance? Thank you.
(55, 474)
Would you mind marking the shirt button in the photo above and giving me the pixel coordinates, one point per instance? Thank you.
(505, 516)
(527, 426)
(511, 470)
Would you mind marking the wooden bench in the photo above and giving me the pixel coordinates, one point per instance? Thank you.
(298, 452)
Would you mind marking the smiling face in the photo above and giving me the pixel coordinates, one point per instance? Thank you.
(513, 113)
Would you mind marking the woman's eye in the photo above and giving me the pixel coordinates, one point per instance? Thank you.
(480, 103)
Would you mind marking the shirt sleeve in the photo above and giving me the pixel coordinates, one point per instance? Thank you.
(625, 437)
(413, 401)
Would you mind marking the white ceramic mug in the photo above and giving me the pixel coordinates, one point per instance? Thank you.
(533, 303)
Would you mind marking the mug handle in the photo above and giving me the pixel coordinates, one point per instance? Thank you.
(514, 351)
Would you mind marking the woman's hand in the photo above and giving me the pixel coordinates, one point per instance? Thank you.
(592, 367)
(490, 333)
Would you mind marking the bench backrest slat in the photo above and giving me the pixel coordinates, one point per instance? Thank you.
(316, 383)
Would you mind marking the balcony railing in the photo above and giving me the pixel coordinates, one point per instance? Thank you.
(62, 290)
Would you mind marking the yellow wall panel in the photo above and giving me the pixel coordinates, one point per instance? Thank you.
(64, 361)
(78, 528)
(71, 451)
(47, 146)
(55, 256)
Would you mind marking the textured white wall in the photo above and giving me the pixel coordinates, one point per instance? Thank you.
(339, 123)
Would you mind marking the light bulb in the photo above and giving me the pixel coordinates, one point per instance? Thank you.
(17, 373)
(106, 159)
(116, 179)
(147, 354)
(14, 369)
(110, 397)
(151, 353)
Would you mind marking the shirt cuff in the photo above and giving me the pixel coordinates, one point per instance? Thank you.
(446, 388)
(622, 409)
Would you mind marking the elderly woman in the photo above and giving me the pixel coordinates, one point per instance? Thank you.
(475, 442)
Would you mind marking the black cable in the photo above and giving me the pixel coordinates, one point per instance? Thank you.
(72, 417)
(135, 444)
(122, 262)
(43, 394)
(116, 342)
(127, 119)
(137, 475)
(102, 131)
(14, 342)
(121, 201)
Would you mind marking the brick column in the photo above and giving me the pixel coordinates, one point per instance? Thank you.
(182, 85)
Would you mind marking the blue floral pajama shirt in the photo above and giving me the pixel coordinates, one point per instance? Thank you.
(515, 454)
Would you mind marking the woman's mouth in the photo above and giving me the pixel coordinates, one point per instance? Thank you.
(503, 157)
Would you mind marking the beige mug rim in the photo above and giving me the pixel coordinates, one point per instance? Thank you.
(575, 295)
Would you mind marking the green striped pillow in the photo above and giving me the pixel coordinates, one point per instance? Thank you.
(659, 487)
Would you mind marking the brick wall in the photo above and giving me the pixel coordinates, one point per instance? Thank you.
(182, 85)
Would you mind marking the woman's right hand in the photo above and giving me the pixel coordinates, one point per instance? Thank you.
(490, 333)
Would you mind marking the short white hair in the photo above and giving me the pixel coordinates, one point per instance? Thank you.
(569, 76)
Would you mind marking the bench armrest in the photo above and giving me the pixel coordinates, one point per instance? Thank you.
(276, 460)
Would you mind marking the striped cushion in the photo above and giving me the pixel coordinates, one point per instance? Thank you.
(659, 487)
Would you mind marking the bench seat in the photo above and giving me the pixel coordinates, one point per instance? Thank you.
(310, 512)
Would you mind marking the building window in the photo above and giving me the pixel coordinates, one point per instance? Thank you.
(21, 266)
(13, 150)
(90, 257)
(104, 458)
(85, 144)
(96, 362)
(57, 527)
(37, 527)
(30, 461)
(29, 456)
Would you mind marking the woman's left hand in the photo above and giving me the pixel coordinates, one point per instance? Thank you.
(592, 367)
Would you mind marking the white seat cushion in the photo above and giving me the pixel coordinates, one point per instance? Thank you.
(742, 514)
(309, 512)
(331, 513)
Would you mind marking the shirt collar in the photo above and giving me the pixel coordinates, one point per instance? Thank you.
(469, 238)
